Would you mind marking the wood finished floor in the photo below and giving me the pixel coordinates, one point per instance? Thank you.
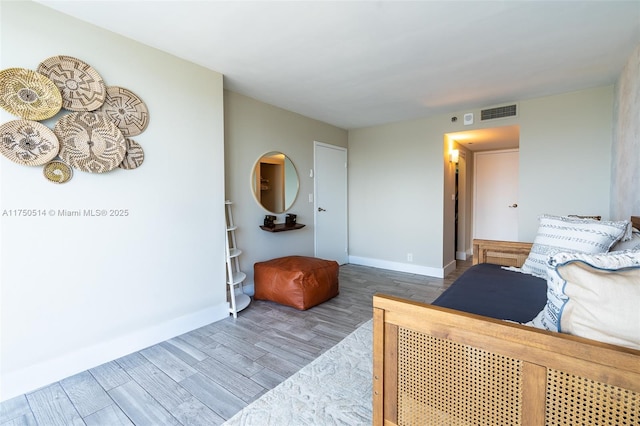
(205, 376)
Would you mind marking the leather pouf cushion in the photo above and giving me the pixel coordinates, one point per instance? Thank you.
(297, 281)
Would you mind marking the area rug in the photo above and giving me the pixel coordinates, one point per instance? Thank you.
(334, 389)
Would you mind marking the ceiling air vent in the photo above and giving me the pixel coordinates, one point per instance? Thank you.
(498, 112)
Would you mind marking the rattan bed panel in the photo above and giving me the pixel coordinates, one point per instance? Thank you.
(574, 400)
(443, 382)
(565, 380)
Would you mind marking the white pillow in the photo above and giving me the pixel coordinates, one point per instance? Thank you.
(603, 304)
(594, 296)
(631, 244)
(572, 235)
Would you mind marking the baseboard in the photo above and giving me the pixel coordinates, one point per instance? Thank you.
(464, 255)
(449, 268)
(42, 374)
(249, 289)
(398, 266)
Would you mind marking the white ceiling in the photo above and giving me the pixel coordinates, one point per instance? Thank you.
(356, 64)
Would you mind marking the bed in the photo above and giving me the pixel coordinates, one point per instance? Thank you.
(434, 365)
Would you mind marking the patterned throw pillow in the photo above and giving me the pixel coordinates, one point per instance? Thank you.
(548, 317)
(594, 296)
(572, 235)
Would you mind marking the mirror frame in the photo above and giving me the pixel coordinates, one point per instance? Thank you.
(288, 199)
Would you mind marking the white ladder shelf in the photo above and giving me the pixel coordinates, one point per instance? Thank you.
(235, 277)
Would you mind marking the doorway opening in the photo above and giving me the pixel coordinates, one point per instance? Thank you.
(459, 218)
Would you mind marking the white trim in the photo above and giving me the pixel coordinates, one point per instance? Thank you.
(249, 289)
(35, 376)
(399, 266)
(464, 255)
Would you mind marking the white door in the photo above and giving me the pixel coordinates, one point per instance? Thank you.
(495, 213)
(330, 206)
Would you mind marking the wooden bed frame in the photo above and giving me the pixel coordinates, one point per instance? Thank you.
(438, 366)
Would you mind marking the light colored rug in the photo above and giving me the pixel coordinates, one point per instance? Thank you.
(334, 389)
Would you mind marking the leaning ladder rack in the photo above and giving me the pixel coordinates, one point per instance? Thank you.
(235, 277)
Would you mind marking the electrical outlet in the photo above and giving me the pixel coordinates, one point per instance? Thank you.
(409, 257)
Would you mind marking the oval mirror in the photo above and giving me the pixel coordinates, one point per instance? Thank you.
(274, 182)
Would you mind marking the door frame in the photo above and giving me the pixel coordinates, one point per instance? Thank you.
(317, 144)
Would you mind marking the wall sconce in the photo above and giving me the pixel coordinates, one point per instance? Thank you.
(454, 156)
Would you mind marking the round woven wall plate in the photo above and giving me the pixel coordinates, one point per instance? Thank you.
(126, 109)
(134, 156)
(57, 172)
(81, 86)
(28, 142)
(90, 142)
(28, 94)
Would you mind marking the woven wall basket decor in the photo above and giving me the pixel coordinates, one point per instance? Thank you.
(90, 142)
(28, 142)
(57, 172)
(28, 94)
(126, 109)
(81, 86)
(134, 156)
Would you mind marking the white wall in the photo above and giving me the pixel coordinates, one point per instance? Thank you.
(253, 128)
(565, 156)
(625, 182)
(400, 180)
(80, 291)
(396, 195)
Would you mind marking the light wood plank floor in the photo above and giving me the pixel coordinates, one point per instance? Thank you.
(205, 376)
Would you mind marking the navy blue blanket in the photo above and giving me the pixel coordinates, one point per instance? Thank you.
(489, 290)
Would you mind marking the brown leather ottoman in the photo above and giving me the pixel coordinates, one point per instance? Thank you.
(297, 281)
